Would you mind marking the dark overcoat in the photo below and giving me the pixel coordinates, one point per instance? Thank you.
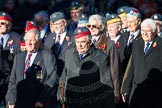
(142, 81)
(49, 79)
(88, 83)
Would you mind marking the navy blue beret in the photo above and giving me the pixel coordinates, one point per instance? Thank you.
(122, 11)
(5, 16)
(57, 16)
(112, 18)
(156, 17)
(83, 18)
(75, 5)
(81, 32)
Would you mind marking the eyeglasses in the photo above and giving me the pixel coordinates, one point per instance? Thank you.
(2, 23)
(93, 26)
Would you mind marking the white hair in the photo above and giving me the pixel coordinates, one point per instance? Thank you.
(150, 22)
(36, 32)
(100, 20)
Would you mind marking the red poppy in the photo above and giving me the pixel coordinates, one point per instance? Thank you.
(67, 38)
(117, 44)
(103, 46)
(22, 43)
(154, 44)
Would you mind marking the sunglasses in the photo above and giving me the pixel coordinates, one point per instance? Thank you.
(2, 23)
(93, 26)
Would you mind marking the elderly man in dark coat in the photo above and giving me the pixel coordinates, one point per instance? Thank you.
(87, 76)
(142, 81)
(47, 77)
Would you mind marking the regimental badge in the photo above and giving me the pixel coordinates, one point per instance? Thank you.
(131, 12)
(107, 14)
(155, 17)
(3, 14)
(79, 31)
(121, 10)
(54, 16)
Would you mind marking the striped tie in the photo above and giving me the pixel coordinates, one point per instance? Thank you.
(147, 48)
(27, 64)
(58, 45)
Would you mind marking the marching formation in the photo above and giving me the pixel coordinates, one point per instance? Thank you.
(78, 58)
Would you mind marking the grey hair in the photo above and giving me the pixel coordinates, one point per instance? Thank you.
(44, 14)
(118, 23)
(137, 15)
(150, 22)
(36, 32)
(99, 19)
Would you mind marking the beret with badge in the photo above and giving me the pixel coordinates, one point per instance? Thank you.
(81, 32)
(131, 11)
(112, 18)
(75, 5)
(5, 16)
(57, 16)
(83, 18)
(156, 17)
(121, 11)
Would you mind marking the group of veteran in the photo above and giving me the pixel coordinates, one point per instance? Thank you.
(88, 61)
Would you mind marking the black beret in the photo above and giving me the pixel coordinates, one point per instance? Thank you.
(156, 17)
(83, 18)
(75, 5)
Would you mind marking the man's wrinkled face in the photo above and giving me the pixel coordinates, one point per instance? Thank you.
(113, 30)
(31, 42)
(147, 33)
(74, 15)
(58, 27)
(94, 27)
(83, 44)
(3, 26)
(133, 23)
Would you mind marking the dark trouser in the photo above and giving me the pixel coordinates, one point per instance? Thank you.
(3, 90)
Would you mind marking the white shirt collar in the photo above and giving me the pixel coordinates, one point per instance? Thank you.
(42, 32)
(116, 38)
(62, 37)
(135, 33)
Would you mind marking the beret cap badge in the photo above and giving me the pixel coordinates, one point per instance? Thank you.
(79, 31)
(54, 16)
(3, 14)
(155, 17)
(121, 10)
